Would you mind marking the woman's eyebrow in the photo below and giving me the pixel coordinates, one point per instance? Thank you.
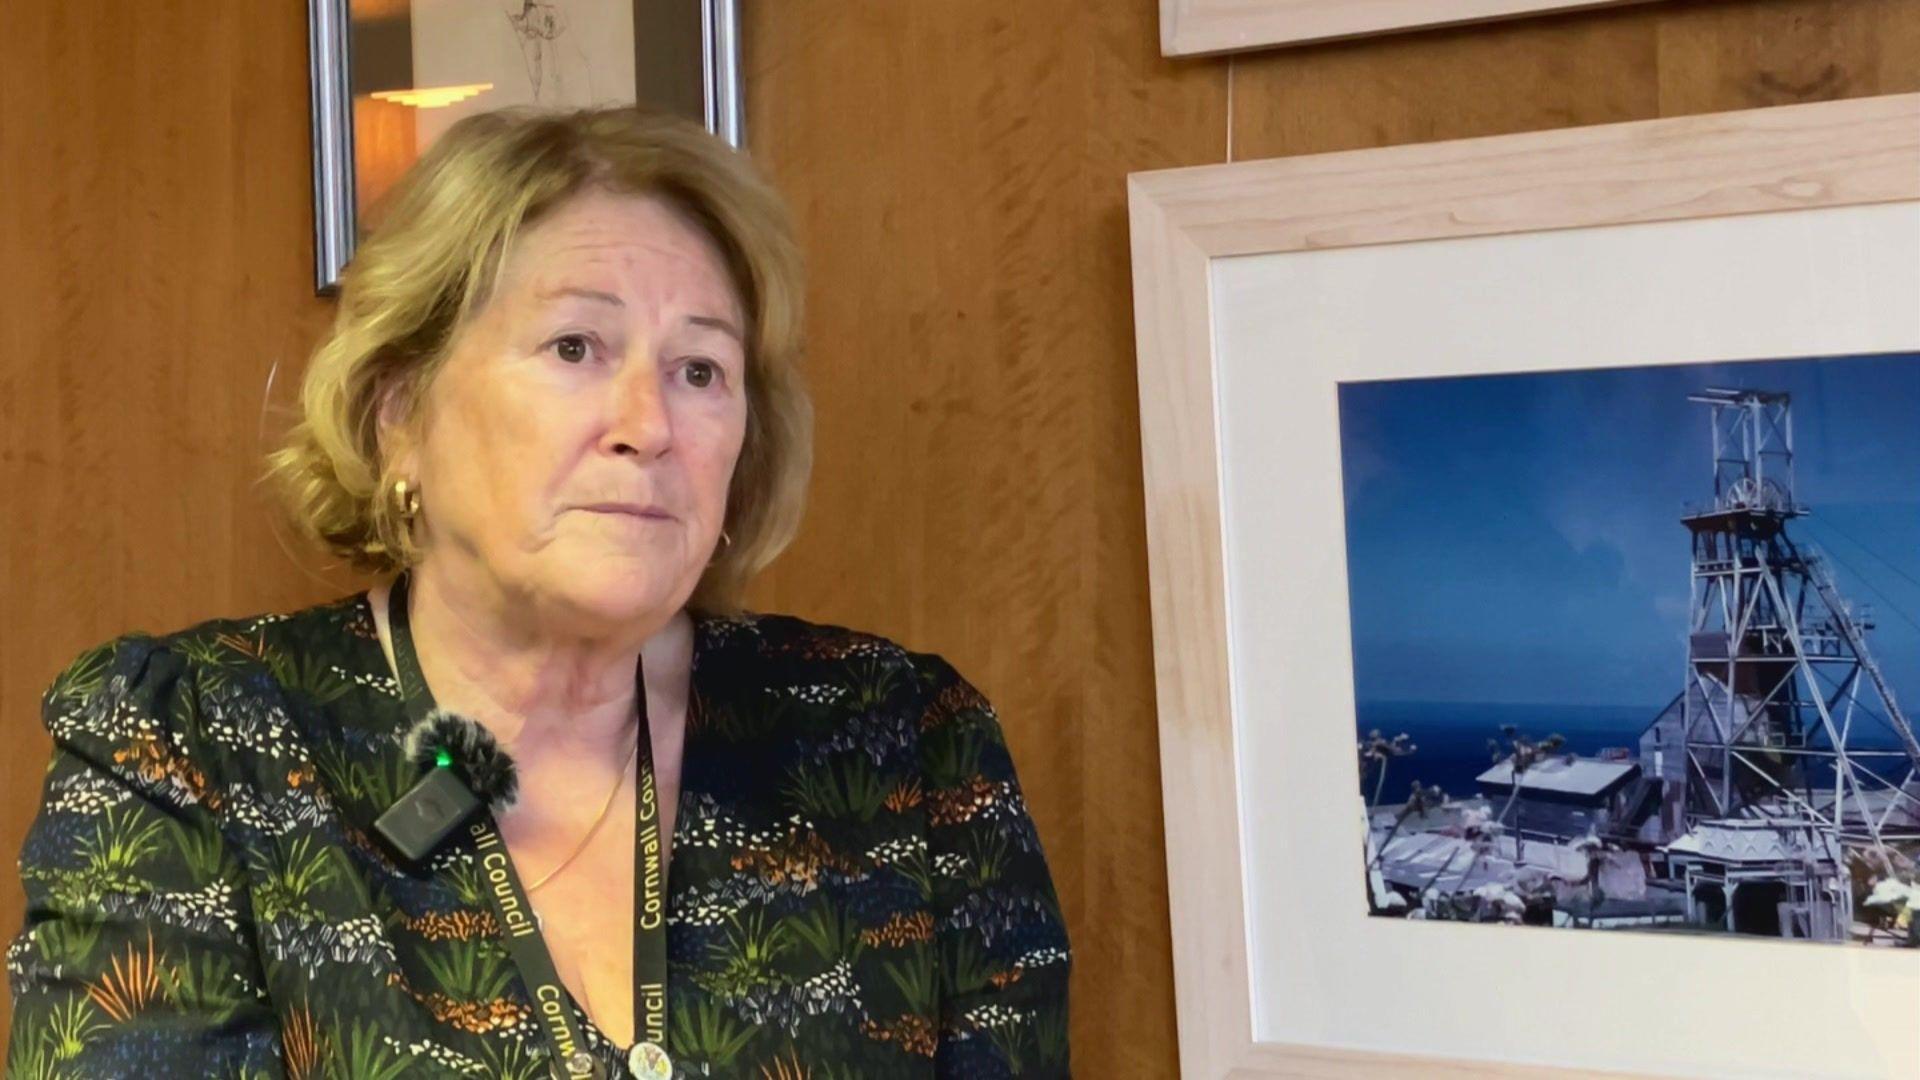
(712, 321)
(584, 294)
(717, 324)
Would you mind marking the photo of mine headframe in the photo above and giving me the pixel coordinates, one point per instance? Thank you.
(1764, 783)
(1776, 793)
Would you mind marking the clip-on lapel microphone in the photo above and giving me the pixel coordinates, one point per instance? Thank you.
(465, 767)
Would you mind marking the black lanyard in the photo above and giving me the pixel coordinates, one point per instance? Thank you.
(526, 946)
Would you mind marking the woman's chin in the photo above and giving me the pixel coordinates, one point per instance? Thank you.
(611, 594)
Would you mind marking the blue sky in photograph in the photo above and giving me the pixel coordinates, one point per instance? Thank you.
(1517, 539)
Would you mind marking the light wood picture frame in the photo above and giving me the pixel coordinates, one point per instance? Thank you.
(1188, 226)
(1200, 27)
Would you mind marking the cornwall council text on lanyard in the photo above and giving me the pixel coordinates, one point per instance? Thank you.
(526, 946)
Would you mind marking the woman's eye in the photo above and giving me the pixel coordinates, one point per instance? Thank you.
(701, 373)
(573, 348)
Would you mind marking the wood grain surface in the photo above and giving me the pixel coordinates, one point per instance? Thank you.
(155, 265)
(1597, 67)
(958, 172)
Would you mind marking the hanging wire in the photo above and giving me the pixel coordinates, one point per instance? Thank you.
(1868, 584)
(1229, 110)
(1828, 523)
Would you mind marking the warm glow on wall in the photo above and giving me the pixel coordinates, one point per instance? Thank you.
(433, 97)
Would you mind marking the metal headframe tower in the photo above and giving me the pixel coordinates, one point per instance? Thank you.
(1782, 689)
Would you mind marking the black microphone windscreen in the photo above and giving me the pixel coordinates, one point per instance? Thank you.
(475, 753)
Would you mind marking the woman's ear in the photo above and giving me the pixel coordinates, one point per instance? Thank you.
(394, 427)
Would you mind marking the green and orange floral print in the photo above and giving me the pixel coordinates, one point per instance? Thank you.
(857, 890)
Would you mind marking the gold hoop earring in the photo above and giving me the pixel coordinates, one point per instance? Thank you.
(409, 499)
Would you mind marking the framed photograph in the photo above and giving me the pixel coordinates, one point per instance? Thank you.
(390, 75)
(1196, 27)
(1534, 534)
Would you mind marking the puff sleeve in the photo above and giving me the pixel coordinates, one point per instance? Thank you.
(137, 956)
(1003, 952)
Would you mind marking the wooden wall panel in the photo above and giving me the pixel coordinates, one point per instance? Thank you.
(1718, 56)
(155, 263)
(957, 169)
(957, 172)
(1674, 58)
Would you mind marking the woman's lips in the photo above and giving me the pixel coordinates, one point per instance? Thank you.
(637, 510)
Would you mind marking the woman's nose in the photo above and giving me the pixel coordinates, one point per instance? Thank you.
(639, 423)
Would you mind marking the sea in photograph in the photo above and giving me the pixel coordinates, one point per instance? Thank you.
(1450, 739)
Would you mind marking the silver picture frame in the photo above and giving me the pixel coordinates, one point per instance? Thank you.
(330, 57)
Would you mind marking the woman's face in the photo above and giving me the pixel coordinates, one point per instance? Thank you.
(577, 445)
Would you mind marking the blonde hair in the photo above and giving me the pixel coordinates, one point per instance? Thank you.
(431, 262)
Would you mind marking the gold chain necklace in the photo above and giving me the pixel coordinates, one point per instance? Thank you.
(600, 818)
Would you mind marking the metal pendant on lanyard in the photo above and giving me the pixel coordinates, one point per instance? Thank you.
(513, 911)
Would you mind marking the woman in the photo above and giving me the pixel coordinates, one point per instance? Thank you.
(558, 412)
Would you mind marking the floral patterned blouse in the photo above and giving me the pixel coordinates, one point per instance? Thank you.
(856, 889)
